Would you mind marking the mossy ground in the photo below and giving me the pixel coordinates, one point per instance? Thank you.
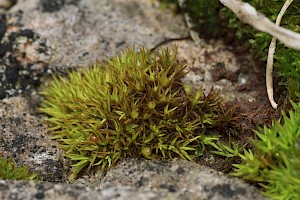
(259, 115)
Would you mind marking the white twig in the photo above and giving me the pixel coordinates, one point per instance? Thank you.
(249, 15)
(269, 69)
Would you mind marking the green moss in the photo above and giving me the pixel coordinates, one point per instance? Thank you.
(274, 162)
(132, 105)
(10, 170)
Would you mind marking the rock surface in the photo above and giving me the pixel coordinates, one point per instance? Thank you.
(24, 138)
(141, 179)
(177, 180)
(39, 38)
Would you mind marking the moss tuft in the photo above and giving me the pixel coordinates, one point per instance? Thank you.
(131, 105)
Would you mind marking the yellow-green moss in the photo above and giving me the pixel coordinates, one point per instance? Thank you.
(131, 105)
(10, 170)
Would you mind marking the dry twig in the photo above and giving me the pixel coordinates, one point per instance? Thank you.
(269, 69)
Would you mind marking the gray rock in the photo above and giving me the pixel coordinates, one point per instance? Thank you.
(141, 179)
(79, 33)
(177, 180)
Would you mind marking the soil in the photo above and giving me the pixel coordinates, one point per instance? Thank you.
(248, 115)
